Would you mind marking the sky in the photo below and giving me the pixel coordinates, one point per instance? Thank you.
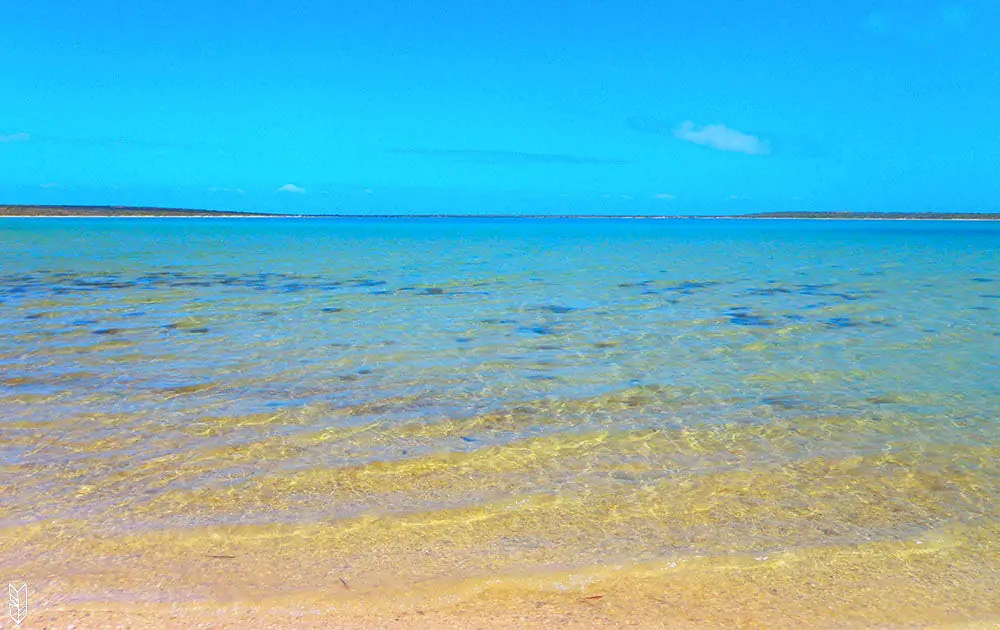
(520, 107)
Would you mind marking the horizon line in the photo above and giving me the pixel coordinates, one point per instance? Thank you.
(118, 211)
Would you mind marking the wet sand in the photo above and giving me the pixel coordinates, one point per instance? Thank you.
(263, 577)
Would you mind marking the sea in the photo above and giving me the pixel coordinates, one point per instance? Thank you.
(714, 421)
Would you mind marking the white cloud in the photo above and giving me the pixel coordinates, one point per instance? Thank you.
(292, 188)
(216, 189)
(722, 138)
(49, 185)
(15, 137)
(664, 196)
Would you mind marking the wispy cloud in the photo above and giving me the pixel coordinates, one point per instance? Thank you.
(722, 138)
(664, 197)
(292, 188)
(15, 137)
(50, 185)
(237, 191)
(483, 156)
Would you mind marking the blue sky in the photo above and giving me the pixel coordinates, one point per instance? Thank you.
(523, 106)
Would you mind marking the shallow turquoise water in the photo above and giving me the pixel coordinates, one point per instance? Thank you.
(595, 386)
(481, 313)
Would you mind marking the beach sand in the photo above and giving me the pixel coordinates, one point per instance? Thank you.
(276, 578)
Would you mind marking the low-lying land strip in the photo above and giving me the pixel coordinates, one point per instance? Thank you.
(130, 211)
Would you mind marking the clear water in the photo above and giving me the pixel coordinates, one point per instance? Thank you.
(558, 403)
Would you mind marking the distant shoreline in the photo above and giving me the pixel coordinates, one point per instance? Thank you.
(129, 212)
(108, 212)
